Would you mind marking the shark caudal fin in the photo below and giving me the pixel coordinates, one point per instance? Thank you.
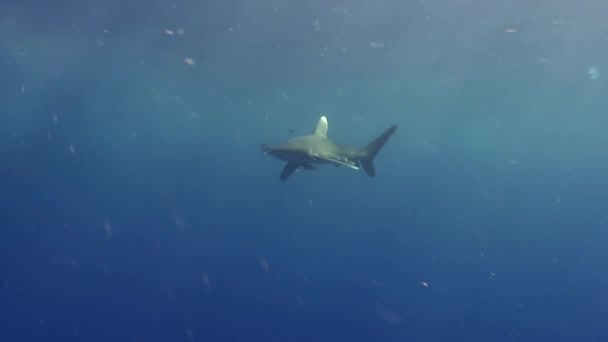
(371, 150)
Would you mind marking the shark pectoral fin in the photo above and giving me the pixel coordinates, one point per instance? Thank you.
(322, 126)
(341, 162)
(288, 170)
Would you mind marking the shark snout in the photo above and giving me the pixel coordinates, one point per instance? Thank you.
(276, 152)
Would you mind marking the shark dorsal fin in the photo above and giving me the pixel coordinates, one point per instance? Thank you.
(322, 127)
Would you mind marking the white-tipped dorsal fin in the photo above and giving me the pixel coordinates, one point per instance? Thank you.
(322, 127)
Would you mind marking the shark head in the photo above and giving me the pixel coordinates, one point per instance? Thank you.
(293, 151)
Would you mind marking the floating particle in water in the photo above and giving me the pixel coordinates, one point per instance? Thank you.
(181, 31)
(543, 60)
(322, 53)
(189, 61)
(107, 227)
(376, 45)
(180, 222)
(510, 30)
(424, 284)
(299, 300)
(72, 149)
(388, 316)
(264, 264)
(189, 334)
(169, 32)
(593, 72)
(379, 284)
(206, 281)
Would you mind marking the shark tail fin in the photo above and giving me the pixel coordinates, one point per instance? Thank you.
(370, 151)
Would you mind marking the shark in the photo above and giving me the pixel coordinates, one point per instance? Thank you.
(308, 151)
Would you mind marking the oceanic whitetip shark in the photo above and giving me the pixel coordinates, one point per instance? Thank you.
(309, 150)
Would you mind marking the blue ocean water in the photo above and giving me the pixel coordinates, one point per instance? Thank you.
(136, 204)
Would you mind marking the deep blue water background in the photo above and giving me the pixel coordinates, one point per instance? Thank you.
(137, 206)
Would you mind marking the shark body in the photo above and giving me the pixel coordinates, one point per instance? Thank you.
(316, 149)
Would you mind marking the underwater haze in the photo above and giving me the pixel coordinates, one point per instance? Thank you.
(137, 205)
